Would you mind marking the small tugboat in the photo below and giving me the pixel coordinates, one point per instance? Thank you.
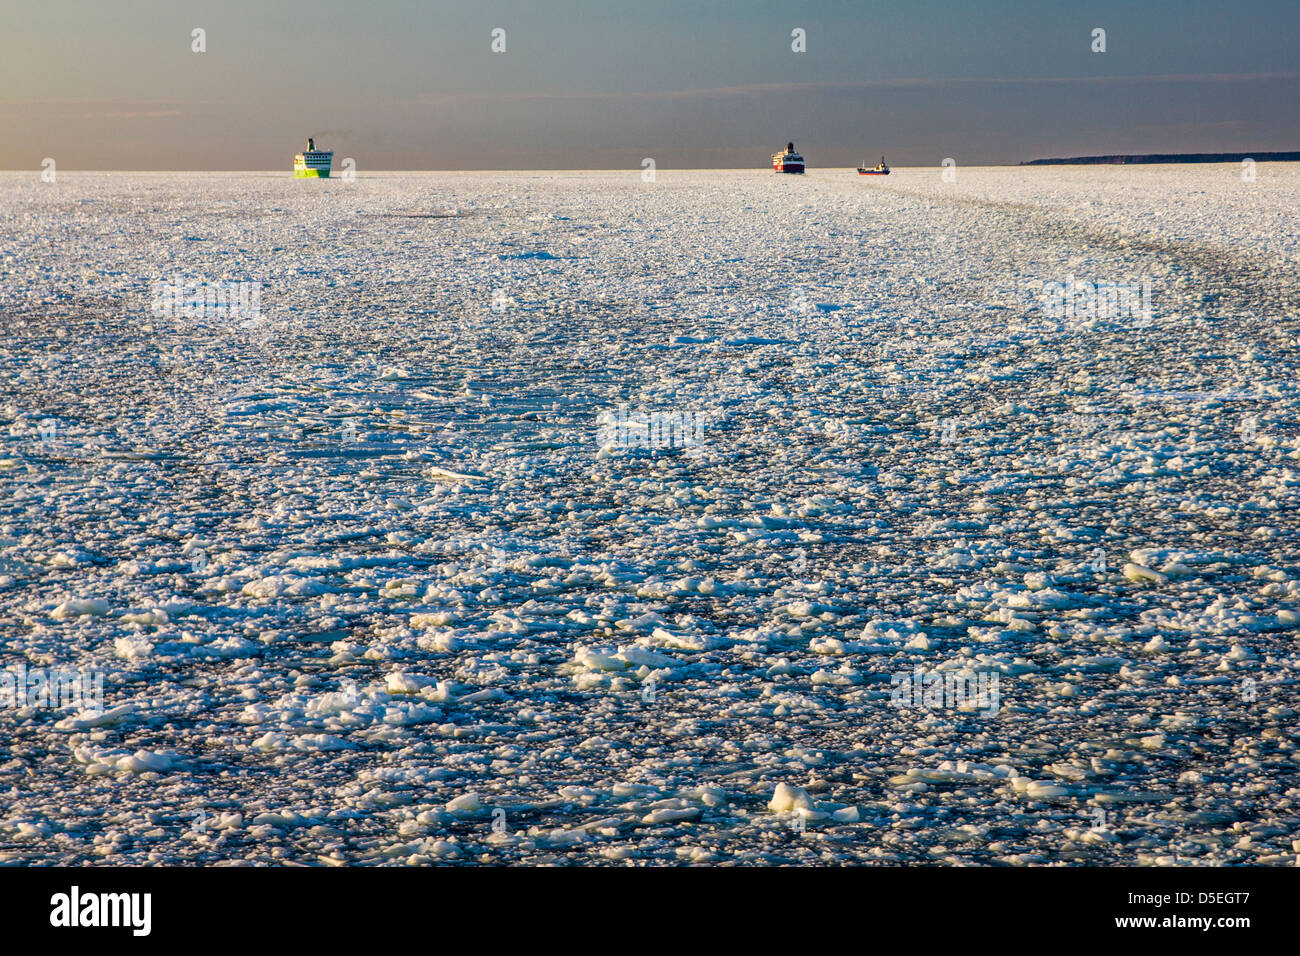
(787, 162)
(880, 169)
(313, 163)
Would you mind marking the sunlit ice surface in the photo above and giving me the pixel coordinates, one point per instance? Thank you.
(689, 516)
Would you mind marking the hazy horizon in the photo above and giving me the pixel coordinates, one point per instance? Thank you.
(762, 168)
(401, 86)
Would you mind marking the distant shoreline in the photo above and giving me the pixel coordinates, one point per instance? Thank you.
(1164, 158)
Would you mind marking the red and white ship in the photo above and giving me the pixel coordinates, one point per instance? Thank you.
(880, 169)
(787, 162)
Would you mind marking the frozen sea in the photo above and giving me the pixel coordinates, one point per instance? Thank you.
(567, 517)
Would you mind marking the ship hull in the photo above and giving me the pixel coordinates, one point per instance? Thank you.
(873, 172)
(787, 167)
(313, 165)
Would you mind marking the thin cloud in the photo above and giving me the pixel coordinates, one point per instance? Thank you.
(902, 83)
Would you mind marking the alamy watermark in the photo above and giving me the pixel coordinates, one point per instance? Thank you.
(946, 690)
(56, 687)
(626, 429)
(220, 300)
(1076, 299)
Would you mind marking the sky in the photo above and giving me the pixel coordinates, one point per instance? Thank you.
(586, 84)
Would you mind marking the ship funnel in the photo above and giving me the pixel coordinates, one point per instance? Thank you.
(311, 145)
(789, 147)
